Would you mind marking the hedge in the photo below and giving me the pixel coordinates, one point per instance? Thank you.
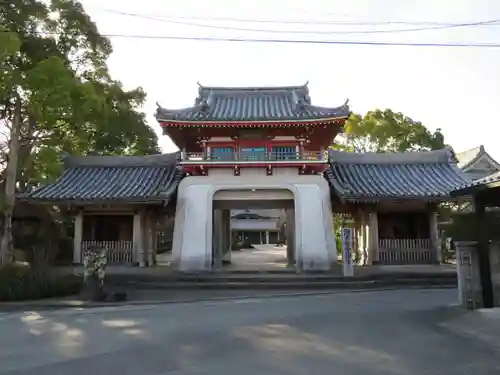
(18, 281)
(463, 226)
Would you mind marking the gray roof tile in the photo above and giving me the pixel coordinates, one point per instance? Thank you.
(411, 175)
(252, 104)
(467, 157)
(469, 186)
(111, 178)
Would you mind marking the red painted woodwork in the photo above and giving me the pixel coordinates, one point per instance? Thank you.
(241, 143)
(318, 136)
(307, 169)
(250, 124)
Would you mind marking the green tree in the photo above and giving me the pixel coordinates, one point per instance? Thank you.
(56, 95)
(388, 131)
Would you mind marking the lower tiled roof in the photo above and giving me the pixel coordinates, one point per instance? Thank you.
(485, 182)
(411, 175)
(113, 178)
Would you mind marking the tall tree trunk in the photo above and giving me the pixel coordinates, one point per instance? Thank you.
(25, 166)
(6, 246)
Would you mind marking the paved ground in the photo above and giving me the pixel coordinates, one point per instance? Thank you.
(262, 257)
(392, 332)
(268, 258)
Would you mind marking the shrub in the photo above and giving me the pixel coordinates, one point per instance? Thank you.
(463, 226)
(18, 281)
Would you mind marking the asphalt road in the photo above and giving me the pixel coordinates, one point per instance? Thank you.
(386, 332)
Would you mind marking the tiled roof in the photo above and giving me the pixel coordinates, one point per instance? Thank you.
(410, 175)
(112, 178)
(252, 104)
(469, 156)
(470, 186)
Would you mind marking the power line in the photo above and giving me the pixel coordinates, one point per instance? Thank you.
(283, 41)
(173, 21)
(291, 21)
(290, 41)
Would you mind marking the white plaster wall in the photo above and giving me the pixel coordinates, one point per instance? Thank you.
(242, 224)
(250, 194)
(315, 245)
(192, 244)
(286, 171)
(220, 172)
(271, 212)
(255, 172)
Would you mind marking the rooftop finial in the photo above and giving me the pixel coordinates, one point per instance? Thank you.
(64, 155)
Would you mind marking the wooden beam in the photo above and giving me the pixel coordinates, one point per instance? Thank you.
(483, 253)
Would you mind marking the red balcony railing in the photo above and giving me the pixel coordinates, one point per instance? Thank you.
(252, 157)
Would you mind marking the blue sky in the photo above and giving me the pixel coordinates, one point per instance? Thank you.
(455, 89)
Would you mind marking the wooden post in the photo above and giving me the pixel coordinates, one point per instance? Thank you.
(373, 252)
(217, 238)
(148, 238)
(290, 236)
(301, 148)
(226, 237)
(138, 239)
(78, 238)
(433, 231)
(205, 149)
(483, 254)
(364, 242)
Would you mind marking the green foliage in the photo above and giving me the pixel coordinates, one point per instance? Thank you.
(463, 226)
(388, 131)
(53, 59)
(18, 281)
(9, 47)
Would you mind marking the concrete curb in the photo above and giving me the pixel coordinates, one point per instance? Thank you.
(56, 305)
(279, 285)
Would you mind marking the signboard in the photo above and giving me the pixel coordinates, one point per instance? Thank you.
(347, 242)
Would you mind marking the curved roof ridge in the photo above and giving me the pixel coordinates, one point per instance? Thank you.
(467, 157)
(169, 112)
(323, 108)
(444, 155)
(157, 160)
(252, 88)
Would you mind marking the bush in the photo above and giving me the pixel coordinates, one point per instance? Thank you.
(463, 226)
(18, 281)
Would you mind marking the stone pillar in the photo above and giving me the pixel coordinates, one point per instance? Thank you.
(434, 234)
(138, 239)
(290, 236)
(267, 237)
(78, 238)
(373, 241)
(226, 237)
(469, 283)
